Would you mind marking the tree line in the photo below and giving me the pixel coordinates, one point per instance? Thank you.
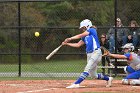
(58, 14)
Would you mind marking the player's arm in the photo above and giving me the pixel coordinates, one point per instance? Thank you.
(117, 56)
(85, 33)
(79, 44)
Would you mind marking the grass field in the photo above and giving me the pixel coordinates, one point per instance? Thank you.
(53, 66)
(50, 66)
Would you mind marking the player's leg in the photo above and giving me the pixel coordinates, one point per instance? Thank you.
(133, 78)
(93, 71)
(135, 82)
(131, 81)
(92, 61)
(79, 80)
(128, 70)
(89, 65)
(84, 74)
(104, 77)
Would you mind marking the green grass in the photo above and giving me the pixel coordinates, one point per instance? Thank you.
(50, 66)
(68, 66)
(75, 66)
(22, 78)
(50, 78)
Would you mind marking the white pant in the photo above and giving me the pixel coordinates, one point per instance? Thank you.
(92, 61)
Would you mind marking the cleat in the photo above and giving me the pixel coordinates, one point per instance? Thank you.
(74, 86)
(109, 82)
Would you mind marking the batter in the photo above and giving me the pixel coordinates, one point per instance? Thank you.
(88, 37)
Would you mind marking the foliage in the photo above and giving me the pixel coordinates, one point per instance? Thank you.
(8, 14)
(70, 13)
(65, 16)
(128, 10)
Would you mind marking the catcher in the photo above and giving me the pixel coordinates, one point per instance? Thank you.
(133, 68)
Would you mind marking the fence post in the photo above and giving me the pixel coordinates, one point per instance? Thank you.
(19, 35)
(115, 10)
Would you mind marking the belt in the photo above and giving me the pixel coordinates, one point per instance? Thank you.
(92, 50)
(96, 48)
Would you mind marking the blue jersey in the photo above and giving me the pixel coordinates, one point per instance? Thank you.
(91, 41)
(132, 59)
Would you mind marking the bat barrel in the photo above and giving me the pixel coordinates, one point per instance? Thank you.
(53, 52)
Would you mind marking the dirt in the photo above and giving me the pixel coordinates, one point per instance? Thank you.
(58, 86)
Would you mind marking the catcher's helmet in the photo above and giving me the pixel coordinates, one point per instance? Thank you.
(86, 23)
(128, 46)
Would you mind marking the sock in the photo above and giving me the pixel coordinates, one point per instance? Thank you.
(81, 78)
(101, 76)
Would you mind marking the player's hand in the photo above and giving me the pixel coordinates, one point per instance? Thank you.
(67, 40)
(64, 43)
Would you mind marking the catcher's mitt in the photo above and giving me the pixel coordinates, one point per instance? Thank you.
(105, 51)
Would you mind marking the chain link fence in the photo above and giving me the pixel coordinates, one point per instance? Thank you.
(22, 54)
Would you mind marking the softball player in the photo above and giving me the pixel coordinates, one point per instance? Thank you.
(94, 55)
(133, 68)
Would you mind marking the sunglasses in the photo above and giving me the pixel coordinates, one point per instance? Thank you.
(125, 48)
(102, 37)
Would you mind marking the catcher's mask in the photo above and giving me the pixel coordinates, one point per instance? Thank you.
(85, 23)
(128, 46)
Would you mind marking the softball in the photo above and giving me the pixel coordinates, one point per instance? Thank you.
(36, 34)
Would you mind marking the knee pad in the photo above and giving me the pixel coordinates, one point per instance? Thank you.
(125, 81)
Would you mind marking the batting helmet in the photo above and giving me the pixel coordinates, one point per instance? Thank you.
(86, 23)
(128, 46)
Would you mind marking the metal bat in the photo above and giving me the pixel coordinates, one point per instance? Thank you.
(53, 52)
